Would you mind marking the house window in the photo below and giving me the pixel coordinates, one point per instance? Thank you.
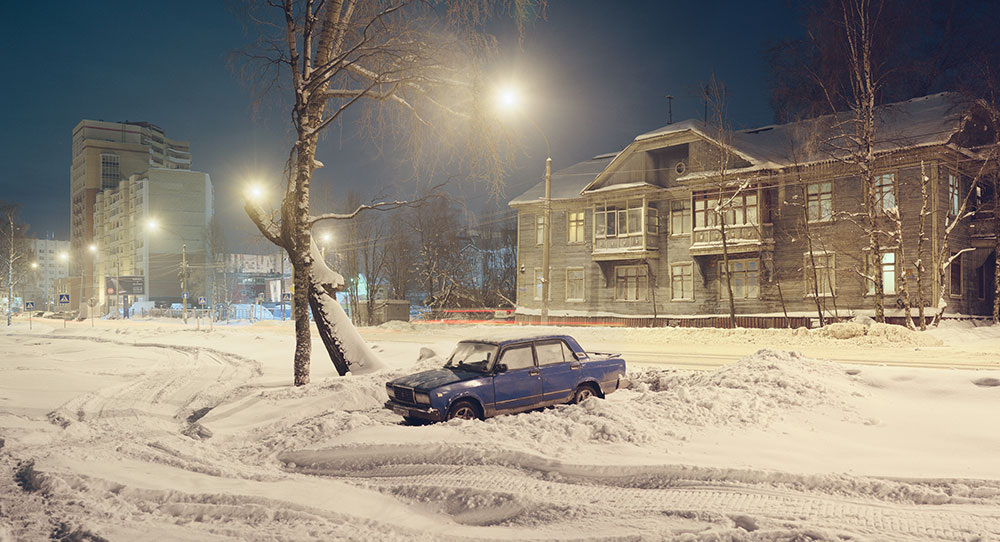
(652, 220)
(885, 196)
(618, 220)
(740, 210)
(110, 171)
(887, 267)
(819, 202)
(574, 227)
(953, 197)
(681, 282)
(745, 278)
(825, 274)
(539, 229)
(631, 283)
(704, 213)
(680, 217)
(955, 274)
(574, 284)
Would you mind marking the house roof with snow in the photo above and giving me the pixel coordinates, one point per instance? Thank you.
(919, 122)
(568, 182)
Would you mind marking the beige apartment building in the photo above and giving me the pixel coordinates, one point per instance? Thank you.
(105, 153)
(126, 241)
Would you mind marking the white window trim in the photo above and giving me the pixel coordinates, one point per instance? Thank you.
(583, 288)
(806, 262)
(690, 220)
(583, 227)
(895, 265)
(724, 295)
(539, 228)
(681, 299)
(643, 299)
(536, 293)
(820, 220)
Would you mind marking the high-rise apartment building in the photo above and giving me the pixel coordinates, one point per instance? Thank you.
(105, 153)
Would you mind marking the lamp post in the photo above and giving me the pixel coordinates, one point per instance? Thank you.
(183, 274)
(508, 99)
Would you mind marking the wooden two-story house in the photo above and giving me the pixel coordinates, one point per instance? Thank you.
(636, 235)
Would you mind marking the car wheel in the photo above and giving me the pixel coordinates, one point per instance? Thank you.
(583, 393)
(464, 410)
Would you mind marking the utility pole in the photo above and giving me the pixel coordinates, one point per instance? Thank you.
(546, 232)
(184, 276)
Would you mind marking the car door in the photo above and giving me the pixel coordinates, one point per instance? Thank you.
(560, 370)
(521, 384)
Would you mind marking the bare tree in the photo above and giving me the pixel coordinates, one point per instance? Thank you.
(441, 266)
(14, 250)
(401, 256)
(728, 209)
(408, 68)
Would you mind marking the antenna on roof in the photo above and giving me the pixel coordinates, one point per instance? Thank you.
(670, 109)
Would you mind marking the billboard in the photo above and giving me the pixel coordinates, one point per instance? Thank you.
(125, 285)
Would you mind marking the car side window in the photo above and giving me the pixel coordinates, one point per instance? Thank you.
(550, 352)
(518, 357)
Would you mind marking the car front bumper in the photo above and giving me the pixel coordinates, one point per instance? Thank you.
(425, 412)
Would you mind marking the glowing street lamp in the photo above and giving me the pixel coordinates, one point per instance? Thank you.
(509, 98)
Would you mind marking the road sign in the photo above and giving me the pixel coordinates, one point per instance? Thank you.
(184, 295)
(29, 304)
(286, 297)
(201, 300)
(125, 284)
(64, 299)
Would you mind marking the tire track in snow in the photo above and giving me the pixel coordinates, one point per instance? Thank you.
(507, 493)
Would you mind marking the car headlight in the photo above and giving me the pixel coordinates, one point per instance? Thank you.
(423, 398)
(389, 391)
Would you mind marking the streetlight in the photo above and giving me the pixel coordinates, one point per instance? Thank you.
(509, 98)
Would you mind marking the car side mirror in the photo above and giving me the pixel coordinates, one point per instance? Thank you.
(501, 368)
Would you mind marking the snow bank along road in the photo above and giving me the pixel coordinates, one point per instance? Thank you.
(132, 432)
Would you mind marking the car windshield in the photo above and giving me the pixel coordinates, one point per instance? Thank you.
(473, 356)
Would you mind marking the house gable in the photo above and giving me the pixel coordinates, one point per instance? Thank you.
(662, 157)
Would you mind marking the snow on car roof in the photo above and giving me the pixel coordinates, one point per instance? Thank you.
(511, 335)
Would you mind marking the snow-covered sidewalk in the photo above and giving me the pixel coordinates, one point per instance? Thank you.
(148, 430)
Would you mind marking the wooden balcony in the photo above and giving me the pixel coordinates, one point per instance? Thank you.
(636, 246)
(739, 240)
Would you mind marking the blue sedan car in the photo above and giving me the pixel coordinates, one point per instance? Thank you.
(487, 377)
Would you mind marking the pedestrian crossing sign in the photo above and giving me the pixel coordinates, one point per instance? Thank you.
(201, 300)
(63, 298)
(29, 304)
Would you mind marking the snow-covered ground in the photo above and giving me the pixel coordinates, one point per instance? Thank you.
(150, 430)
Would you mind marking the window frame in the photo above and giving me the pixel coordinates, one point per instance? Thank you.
(870, 286)
(673, 294)
(539, 229)
(884, 190)
(583, 284)
(747, 273)
(819, 201)
(623, 216)
(576, 226)
(830, 267)
(954, 190)
(641, 278)
(686, 217)
(952, 270)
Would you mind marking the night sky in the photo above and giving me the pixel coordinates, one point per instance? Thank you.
(597, 73)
